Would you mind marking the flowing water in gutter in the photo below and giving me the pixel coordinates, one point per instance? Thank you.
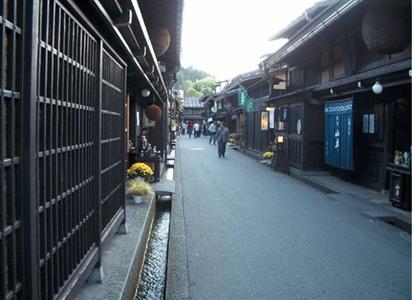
(152, 279)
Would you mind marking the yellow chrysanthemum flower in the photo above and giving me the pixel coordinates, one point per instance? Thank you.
(268, 155)
(140, 169)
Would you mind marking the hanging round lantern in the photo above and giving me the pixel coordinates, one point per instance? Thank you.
(153, 112)
(160, 40)
(386, 30)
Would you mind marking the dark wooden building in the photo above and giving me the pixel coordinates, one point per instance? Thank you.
(345, 102)
(245, 123)
(192, 110)
(258, 133)
(68, 71)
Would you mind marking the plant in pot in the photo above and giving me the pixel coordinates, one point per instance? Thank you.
(141, 171)
(233, 137)
(267, 158)
(138, 189)
(268, 155)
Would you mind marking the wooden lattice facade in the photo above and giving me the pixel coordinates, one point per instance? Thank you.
(63, 90)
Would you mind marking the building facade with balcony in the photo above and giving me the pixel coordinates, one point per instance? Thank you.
(345, 101)
(192, 110)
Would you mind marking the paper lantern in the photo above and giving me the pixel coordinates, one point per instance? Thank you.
(160, 40)
(386, 30)
(153, 112)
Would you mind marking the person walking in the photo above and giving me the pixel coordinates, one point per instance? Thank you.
(196, 129)
(212, 132)
(184, 125)
(204, 130)
(190, 129)
(222, 137)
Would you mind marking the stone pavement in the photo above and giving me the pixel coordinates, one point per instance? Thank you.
(243, 231)
(334, 185)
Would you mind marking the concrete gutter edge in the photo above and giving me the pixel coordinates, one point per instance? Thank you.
(177, 277)
(136, 264)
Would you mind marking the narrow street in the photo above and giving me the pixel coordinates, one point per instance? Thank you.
(253, 233)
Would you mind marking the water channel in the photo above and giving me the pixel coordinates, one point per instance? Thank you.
(152, 279)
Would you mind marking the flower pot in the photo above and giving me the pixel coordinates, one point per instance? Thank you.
(137, 199)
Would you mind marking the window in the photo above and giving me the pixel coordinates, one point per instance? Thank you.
(324, 67)
(338, 63)
(368, 123)
(295, 120)
(295, 78)
(332, 63)
(282, 76)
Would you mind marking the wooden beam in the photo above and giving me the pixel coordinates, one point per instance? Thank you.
(124, 20)
(116, 33)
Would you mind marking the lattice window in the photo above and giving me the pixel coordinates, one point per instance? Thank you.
(11, 235)
(67, 95)
(112, 130)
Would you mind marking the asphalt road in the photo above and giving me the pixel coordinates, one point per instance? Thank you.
(253, 233)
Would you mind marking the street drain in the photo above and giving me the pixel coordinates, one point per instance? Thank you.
(151, 284)
(398, 223)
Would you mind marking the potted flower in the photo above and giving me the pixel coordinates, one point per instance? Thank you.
(268, 155)
(138, 189)
(140, 171)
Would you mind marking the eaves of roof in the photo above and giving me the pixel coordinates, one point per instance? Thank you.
(312, 29)
(309, 14)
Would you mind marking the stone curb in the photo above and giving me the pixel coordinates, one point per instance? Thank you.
(177, 279)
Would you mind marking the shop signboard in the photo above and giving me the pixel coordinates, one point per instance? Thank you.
(272, 118)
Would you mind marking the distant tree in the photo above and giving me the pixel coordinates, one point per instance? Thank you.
(205, 85)
(194, 82)
(192, 92)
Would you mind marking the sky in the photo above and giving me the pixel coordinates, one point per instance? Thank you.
(228, 37)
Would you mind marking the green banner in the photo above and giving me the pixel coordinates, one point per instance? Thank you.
(245, 101)
(242, 97)
(250, 106)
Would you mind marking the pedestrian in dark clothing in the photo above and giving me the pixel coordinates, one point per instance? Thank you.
(204, 130)
(189, 129)
(222, 137)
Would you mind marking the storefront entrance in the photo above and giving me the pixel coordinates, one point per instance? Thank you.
(382, 129)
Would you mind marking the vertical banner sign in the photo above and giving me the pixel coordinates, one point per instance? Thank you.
(283, 114)
(244, 100)
(242, 97)
(272, 118)
(250, 106)
(339, 134)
